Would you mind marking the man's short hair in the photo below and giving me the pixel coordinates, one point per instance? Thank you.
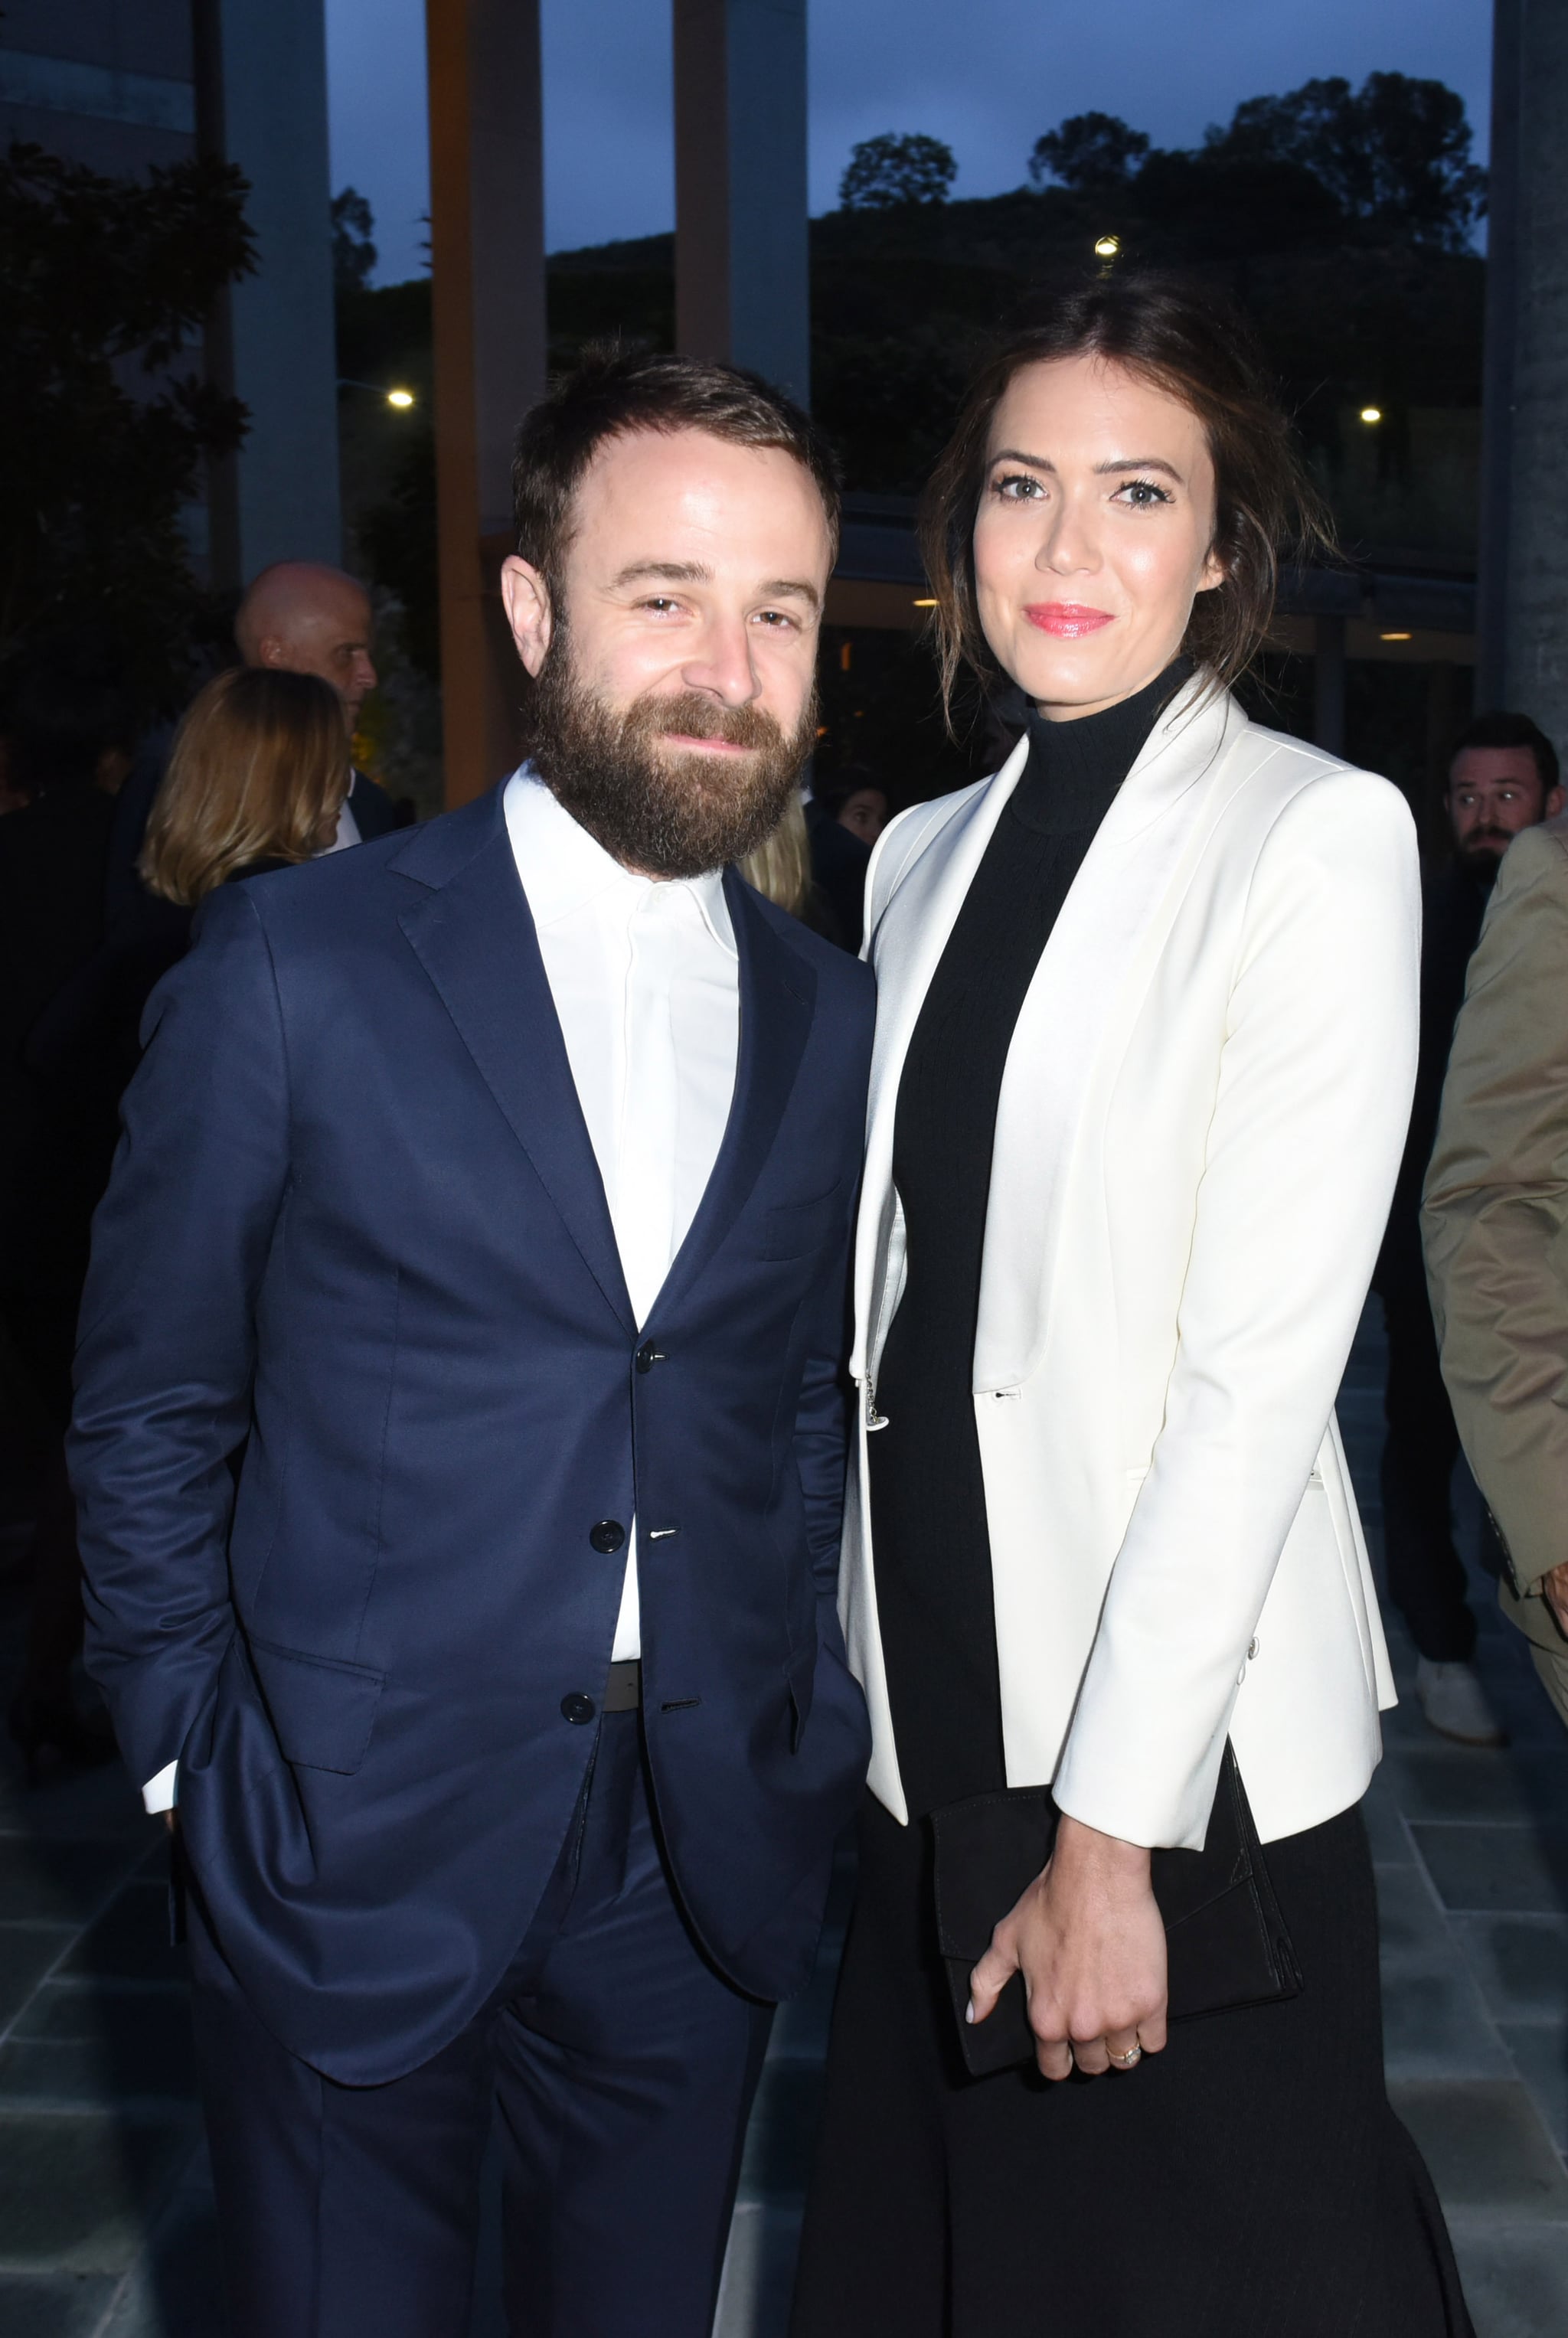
(612, 392)
(1500, 730)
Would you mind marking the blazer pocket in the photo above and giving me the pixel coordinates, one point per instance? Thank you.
(794, 1228)
(323, 1710)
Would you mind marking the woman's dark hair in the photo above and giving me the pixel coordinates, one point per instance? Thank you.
(1192, 342)
(612, 391)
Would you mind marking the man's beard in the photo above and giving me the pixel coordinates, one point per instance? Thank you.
(1481, 853)
(663, 811)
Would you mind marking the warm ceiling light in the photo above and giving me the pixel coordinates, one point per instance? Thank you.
(925, 605)
(1106, 247)
(1393, 637)
(1372, 414)
(399, 397)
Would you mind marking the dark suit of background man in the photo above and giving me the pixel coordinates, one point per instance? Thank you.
(1503, 778)
(492, 1185)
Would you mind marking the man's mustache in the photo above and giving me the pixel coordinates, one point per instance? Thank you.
(693, 716)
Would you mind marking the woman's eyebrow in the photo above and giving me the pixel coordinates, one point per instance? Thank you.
(1101, 470)
(1138, 463)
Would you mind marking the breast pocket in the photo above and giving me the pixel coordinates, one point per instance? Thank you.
(795, 1228)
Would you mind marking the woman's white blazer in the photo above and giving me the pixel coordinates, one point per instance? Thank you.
(1195, 1143)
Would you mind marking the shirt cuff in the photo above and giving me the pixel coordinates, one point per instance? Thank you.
(162, 1793)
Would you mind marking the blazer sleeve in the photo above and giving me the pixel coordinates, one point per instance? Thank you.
(167, 1343)
(1496, 1218)
(1314, 1076)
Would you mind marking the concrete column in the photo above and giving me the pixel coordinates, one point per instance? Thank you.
(1524, 614)
(262, 101)
(487, 261)
(742, 258)
(1328, 683)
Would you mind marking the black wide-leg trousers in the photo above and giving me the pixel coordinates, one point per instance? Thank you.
(624, 2067)
(1252, 2181)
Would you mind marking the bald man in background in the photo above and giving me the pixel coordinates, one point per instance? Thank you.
(307, 618)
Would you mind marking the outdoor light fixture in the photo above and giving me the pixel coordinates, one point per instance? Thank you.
(1106, 247)
(1393, 637)
(401, 399)
(1372, 414)
(925, 605)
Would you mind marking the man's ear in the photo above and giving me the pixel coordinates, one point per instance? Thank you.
(1555, 800)
(527, 599)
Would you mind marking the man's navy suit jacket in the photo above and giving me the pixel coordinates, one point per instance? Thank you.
(356, 1225)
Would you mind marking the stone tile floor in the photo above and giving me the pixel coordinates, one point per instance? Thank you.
(105, 2215)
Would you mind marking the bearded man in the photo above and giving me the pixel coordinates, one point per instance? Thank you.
(491, 1186)
(1503, 778)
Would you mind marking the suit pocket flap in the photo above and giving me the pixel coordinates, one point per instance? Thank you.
(323, 1710)
(794, 1228)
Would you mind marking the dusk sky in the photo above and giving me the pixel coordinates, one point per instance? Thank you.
(986, 75)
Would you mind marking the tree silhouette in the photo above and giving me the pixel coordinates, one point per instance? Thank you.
(106, 417)
(1394, 154)
(353, 253)
(886, 173)
(1091, 152)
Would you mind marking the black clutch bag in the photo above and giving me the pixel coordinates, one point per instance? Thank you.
(1228, 1942)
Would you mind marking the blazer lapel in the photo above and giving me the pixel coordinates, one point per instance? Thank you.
(475, 937)
(777, 1000)
(904, 951)
(1092, 977)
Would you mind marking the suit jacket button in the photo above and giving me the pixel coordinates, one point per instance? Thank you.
(647, 1356)
(607, 1536)
(577, 1708)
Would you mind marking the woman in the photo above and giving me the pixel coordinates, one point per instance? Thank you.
(259, 771)
(1146, 1045)
(779, 869)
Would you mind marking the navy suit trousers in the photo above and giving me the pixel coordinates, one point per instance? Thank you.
(623, 2067)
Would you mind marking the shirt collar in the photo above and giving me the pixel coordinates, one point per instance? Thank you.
(563, 868)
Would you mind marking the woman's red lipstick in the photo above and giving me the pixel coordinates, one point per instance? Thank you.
(1069, 620)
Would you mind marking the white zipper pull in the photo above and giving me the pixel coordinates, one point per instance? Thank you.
(874, 1419)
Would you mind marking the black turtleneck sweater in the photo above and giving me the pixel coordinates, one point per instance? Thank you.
(933, 1552)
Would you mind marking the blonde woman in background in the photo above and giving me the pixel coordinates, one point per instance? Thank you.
(259, 774)
(780, 870)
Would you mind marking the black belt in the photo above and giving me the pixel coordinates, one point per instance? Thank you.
(623, 1689)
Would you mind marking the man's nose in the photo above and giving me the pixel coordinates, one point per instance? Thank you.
(364, 672)
(722, 662)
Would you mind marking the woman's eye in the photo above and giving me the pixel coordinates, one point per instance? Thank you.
(1142, 494)
(1017, 487)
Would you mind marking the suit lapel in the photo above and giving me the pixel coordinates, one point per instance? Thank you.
(777, 999)
(475, 937)
(1071, 1027)
(905, 949)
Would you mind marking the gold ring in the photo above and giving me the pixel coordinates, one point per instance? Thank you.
(1125, 2061)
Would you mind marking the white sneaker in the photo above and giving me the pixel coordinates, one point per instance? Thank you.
(1455, 1704)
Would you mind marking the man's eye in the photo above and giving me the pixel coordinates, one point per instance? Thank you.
(779, 619)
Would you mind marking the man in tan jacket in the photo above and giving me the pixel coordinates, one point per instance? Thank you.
(1495, 1223)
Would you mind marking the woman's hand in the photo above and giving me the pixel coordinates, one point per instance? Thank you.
(1087, 1938)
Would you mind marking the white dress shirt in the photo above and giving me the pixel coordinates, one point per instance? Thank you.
(646, 988)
